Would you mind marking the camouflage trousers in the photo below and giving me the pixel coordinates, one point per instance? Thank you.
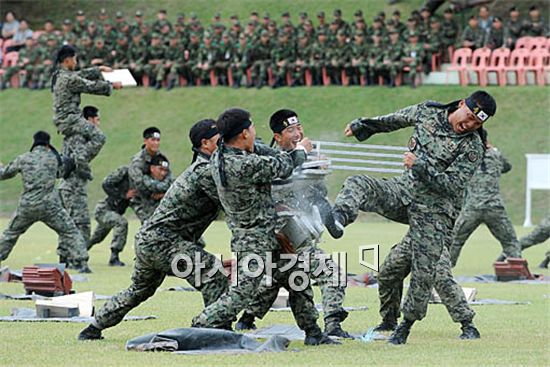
(71, 244)
(540, 234)
(244, 289)
(497, 221)
(154, 72)
(428, 236)
(259, 70)
(143, 208)
(239, 73)
(332, 293)
(24, 78)
(108, 220)
(82, 154)
(155, 254)
(396, 268)
(74, 197)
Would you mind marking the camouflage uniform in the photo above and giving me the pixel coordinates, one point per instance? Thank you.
(40, 202)
(540, 234)
(495, 38)
(483, 204)
(250, 215)
(67, 115)
(155, 71)
(416, 53)
(109, 212)
(477, 36)
(284, 53)
(512, 31)
(27, 60)
(260, 61)
(319, 59)
(239, 63)
(137, 51)
(140, 179)
(449, 33)
(534, 28)
(423, 196)
(175, 229)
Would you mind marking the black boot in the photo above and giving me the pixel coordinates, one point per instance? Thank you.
(544, 263)
(502, 257)
(387, 324)
(63, 260)
(316, 337)
(400, 335)
(335, 329)
(114, 260)
(246, 322)
(81, 267)
(90, 333)
(469, 331)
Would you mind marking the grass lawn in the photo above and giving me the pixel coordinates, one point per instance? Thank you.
(511, 334)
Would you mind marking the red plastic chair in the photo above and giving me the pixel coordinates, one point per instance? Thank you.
(548, 44)
(538, 43)
(461, 60)
(524, 42)
(7, 43)
(480, 61)
(498, 63)
(536, 64)
(519, 59)
(36, 34)
(11, 59)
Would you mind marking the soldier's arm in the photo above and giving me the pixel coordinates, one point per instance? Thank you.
(206, 182)
(110, 183)
(10, 170)
(77, 84)
(90, 74)
(455, 178)
(264, 169)
(363, 127)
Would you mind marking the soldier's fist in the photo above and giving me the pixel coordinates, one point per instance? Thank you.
(306, 144)
(408, 159)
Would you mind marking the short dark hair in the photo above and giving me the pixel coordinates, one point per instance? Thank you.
(90, 111)
(485, 101)
(150, 131)
(229, 121)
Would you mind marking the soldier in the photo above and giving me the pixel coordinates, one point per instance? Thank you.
(449, 29)
(154, 61)
(138, 22)
(109, 213)
(319, 57)
(342, 24)
(513, 28)
(85, 51)
(243, 183)
(444, 153)
(102, 17)
(161, 21)
(340, 58)
(67, 85)
(322, 26)
(149, 189)
(174, 231)
(119, 55)
(47, 66)
(535, 25)
(495, 37)
(287, 132)
(395, 22)
(93, 30)
(473, 36)
(40, 202)
(206, 59)
(137, 52)
(192, 57)
(74, 187)
(483, 204)
(226, 50)
(28, 57)
(413, 56)
(540, 234)
(433, 45)
(283, 56)
(393, 57)
(81, 24)
(100, 53)
(173, 61)
(109, 34)
(359, 62)
(302, 62)
(260, 60)
(375, 59)
(239, 62)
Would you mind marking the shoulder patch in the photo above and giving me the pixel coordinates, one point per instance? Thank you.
(412, 144)
(473, 156)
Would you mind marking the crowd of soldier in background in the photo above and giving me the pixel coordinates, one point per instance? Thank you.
(262, 51)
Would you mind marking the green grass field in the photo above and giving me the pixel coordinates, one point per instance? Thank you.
(511, 335)
(519, 127)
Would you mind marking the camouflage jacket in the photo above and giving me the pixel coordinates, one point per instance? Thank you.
(138, 172)
(189, 206)
(246, 197)
(67, 90)
(445, 160)
(116, 186)
(39, 169)
(477, 36)
(483, 191)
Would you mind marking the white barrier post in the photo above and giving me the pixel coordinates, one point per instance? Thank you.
(538, 178)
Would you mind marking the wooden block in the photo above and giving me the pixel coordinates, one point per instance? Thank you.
(84, 302)
(51, 310)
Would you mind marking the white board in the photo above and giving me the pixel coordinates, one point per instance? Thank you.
(120, 75)
(538, 178)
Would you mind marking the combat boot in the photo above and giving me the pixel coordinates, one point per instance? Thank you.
(246, 322)
(90, 333)
(502, 257)
(469, 331)
(335, 329)
(401, 333)
(544, 263)
(387, 324)
(316, 337)
(81, 267)
(63, 260)
(114, 260)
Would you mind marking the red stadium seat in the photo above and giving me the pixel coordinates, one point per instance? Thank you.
(524, 42)
(498, 63)
(538, 43)
(480, 60)
(460, 62)
(6, 44)
(537, 62)
(519, 59)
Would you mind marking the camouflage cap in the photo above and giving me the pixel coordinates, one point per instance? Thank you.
(254, 13)
(303, 15)
(264, 33)
(234, 16)
(302, 35)
(341, 33)
(217, 15)
(119, 14)
(80, 12)
(136, 33)
(358, 13)
(99, 39)
(67, 21)
(337, 13)
(286, 14)
(219, 25)
(102, 11)
(266, 15)
(193, 15)
(381, 14)
(173, 35)
(321, 14)
(412, 34)
(155, 35)
(396, 12)
(272, 23)
(194, 34)
(180, 16)
(206, 35)
(121, 36)
(359, 32)
(321, 32)
(139, 14)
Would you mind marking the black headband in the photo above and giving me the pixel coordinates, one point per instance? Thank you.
(476, 109)
(235, 129)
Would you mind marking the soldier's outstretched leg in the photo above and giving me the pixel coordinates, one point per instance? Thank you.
(502, 228)
(20, 222)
